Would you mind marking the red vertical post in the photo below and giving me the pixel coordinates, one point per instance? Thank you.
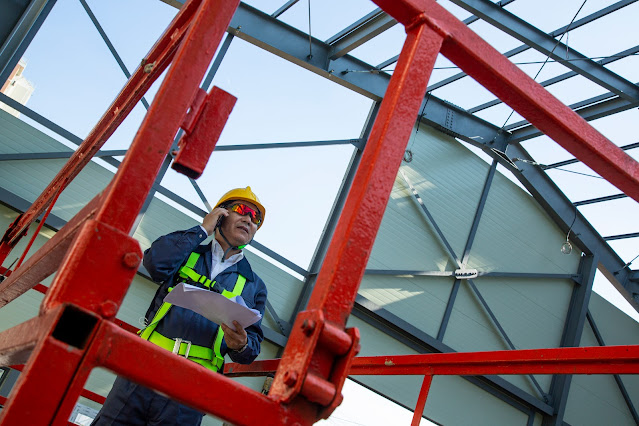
(152, 67)
(338, 281)
(99, 266)
(64, 334)
(421, 400)
(123, 199)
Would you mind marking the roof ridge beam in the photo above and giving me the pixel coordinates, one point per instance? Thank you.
(360, 32)
(565, 76)
(559, 31)
(589, 109)
(539, 40)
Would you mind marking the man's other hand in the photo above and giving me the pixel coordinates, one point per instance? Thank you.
(236, 337)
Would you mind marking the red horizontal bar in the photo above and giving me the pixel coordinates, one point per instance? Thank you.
(17, 342)
(113, 350)
(47, 259)
(582, 360)
(256, 368)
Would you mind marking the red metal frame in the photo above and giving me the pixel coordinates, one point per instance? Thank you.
(75, 329)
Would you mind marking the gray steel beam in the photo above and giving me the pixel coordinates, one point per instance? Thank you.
(466, 21)
(57, 155)
(600, 199)
(422, 342)
(503, 333)
(287, 42)
(110, 45)
(20, 22)
(480, 274)
(620, 385)
(556, 33)
(403, 272)
(360, 32)
(589, 109)
(355, 142)
(449, 310)
(284, 8)
(284, 326)
(622, 236)
(573, 329)
(215, 66)
(478, 212)
(441, 238)
(201, 194)
(564, 213)
(562, 77)
(574, 160)
(333, 218)
(541, 275)
(523, 31)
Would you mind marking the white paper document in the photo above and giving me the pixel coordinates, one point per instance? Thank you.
(213, 305)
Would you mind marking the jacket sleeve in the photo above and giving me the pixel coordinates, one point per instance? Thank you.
(165, 256)
(254, 332)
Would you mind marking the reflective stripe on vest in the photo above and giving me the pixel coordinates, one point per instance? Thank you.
(187, 273)
(215, 361)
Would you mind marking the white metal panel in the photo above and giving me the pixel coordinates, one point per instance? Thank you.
(595, 399)
(421, 301)
(451, 400)
(516, 235)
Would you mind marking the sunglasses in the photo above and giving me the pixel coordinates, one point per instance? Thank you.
(243, 210)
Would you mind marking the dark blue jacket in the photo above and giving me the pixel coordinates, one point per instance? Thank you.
(163, 260)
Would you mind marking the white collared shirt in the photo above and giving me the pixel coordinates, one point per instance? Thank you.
(217, 252)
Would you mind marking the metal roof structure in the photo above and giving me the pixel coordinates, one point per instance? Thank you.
(595, 79)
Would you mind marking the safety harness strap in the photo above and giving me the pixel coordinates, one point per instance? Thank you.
(190, 276)
(237, 290)
(207, 357)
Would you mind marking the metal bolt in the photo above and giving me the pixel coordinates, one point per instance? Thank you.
(131, 260)
(108, 309)
(290, 378)
(308, 326)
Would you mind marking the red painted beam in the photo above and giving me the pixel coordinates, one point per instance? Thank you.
(42, 386)
(17, 343)
(113, 350)
(581, 360)
(176, 95)
(47, 259)
(154, 65)
(336, 287)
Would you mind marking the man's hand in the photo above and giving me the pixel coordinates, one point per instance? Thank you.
(210, 220)
(236, 337)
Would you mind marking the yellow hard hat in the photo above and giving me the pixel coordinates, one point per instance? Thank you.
(244, 194)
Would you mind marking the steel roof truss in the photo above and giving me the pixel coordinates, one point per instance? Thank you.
(360, 32)
(523, 31)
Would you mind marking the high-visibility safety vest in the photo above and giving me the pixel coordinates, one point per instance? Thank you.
(210, 358)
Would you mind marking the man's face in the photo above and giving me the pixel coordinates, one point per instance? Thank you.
(238, 229)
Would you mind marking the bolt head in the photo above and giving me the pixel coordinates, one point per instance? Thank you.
(290, 378)
(308, 326)
(108, 309)
(131, 260)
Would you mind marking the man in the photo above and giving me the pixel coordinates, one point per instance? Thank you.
(219, 266)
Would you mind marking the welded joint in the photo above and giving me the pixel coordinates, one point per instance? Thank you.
(424, 19)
